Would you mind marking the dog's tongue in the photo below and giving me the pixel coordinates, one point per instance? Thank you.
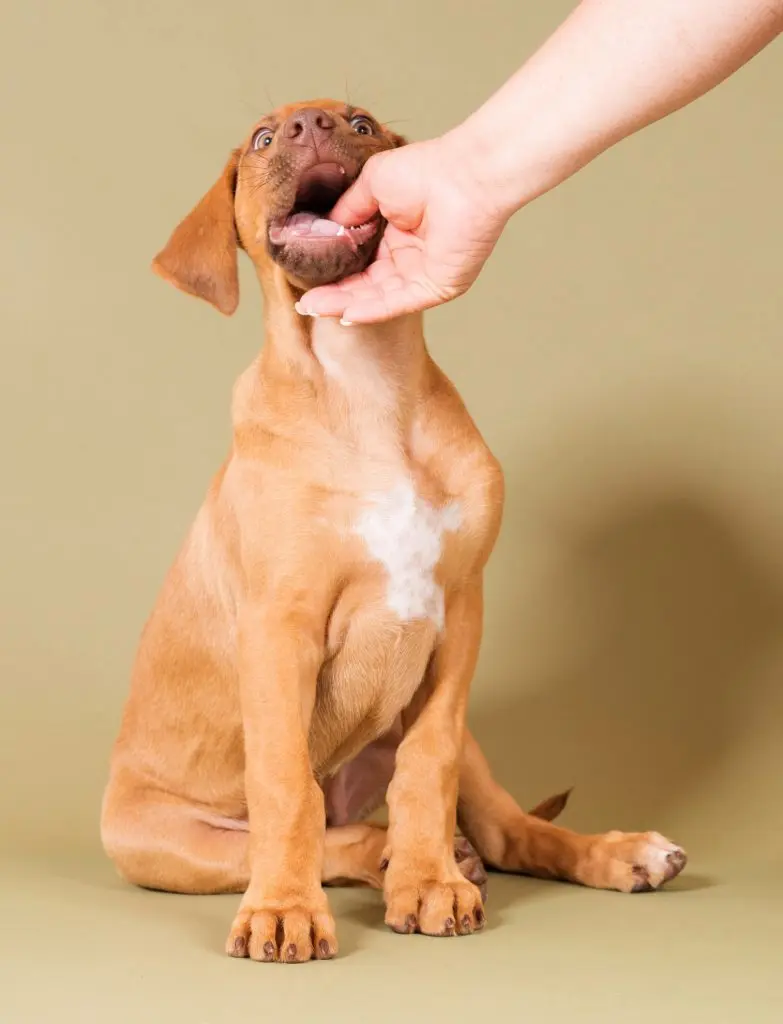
(300, 225)
(307, 225)
(311, 224)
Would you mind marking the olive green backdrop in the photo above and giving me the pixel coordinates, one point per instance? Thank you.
(623, 354)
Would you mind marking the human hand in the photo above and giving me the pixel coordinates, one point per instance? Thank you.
(441, 228)
(609, 70)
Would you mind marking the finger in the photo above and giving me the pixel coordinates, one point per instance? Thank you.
(332, 299)
(385, 303)
(358, 204)
(362, 300)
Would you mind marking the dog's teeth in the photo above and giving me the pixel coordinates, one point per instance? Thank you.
(341, 230)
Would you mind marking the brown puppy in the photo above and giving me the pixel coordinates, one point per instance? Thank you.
(320, 626)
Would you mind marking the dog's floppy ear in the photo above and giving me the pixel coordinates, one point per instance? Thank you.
(201, 255)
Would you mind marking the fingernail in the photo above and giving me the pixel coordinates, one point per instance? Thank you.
(302, 310)
(347, 323)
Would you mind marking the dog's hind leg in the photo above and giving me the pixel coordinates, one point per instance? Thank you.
(353, 853)
(510, 840)
(158, 842)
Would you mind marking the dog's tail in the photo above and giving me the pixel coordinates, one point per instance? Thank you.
(549, 809)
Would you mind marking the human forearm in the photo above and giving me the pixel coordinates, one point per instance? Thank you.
(611, 68)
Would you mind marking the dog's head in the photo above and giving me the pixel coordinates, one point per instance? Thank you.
(272, 200)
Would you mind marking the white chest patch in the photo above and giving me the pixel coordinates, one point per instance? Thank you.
(405, 534)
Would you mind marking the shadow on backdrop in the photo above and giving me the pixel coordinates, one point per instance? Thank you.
(666, 621)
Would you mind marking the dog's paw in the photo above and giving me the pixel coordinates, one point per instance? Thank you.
(284, 933)
(433, 907)
(631, 861)
(471, 865)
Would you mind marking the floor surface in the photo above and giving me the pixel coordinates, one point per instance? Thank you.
(80, 945)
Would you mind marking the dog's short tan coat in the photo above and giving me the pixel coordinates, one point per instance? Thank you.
(321, 624)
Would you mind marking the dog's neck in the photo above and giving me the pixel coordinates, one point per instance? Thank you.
(363, 382)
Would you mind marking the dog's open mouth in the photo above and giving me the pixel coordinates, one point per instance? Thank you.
(307, 222)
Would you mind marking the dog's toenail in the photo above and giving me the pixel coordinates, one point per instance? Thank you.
(323, 947)
(269, 950)
(291, 951)
(480, 916)
(410, 923)
(384, 863)
(642, 883)
(675, 862)
(466, 921)
(240, 946)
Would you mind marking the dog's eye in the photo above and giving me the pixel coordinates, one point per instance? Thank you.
(362, 126)
(263, 138)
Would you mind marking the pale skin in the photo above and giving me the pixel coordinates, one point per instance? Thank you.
(611, 69)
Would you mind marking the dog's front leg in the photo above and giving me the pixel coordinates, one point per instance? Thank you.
(284, 914)
(424, 888)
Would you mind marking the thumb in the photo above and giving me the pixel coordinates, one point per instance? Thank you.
(359, 203)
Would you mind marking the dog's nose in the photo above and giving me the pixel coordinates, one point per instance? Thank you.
(308, 126)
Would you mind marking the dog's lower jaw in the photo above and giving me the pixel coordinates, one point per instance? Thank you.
(305, 270)
(311, 258)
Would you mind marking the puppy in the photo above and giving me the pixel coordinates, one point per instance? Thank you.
(320, 626)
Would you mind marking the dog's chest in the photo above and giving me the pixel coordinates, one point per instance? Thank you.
(387, 620)
(403, 535)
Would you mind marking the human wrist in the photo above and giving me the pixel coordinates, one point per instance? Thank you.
(525, 140)
(473, 160)
(507, 173)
